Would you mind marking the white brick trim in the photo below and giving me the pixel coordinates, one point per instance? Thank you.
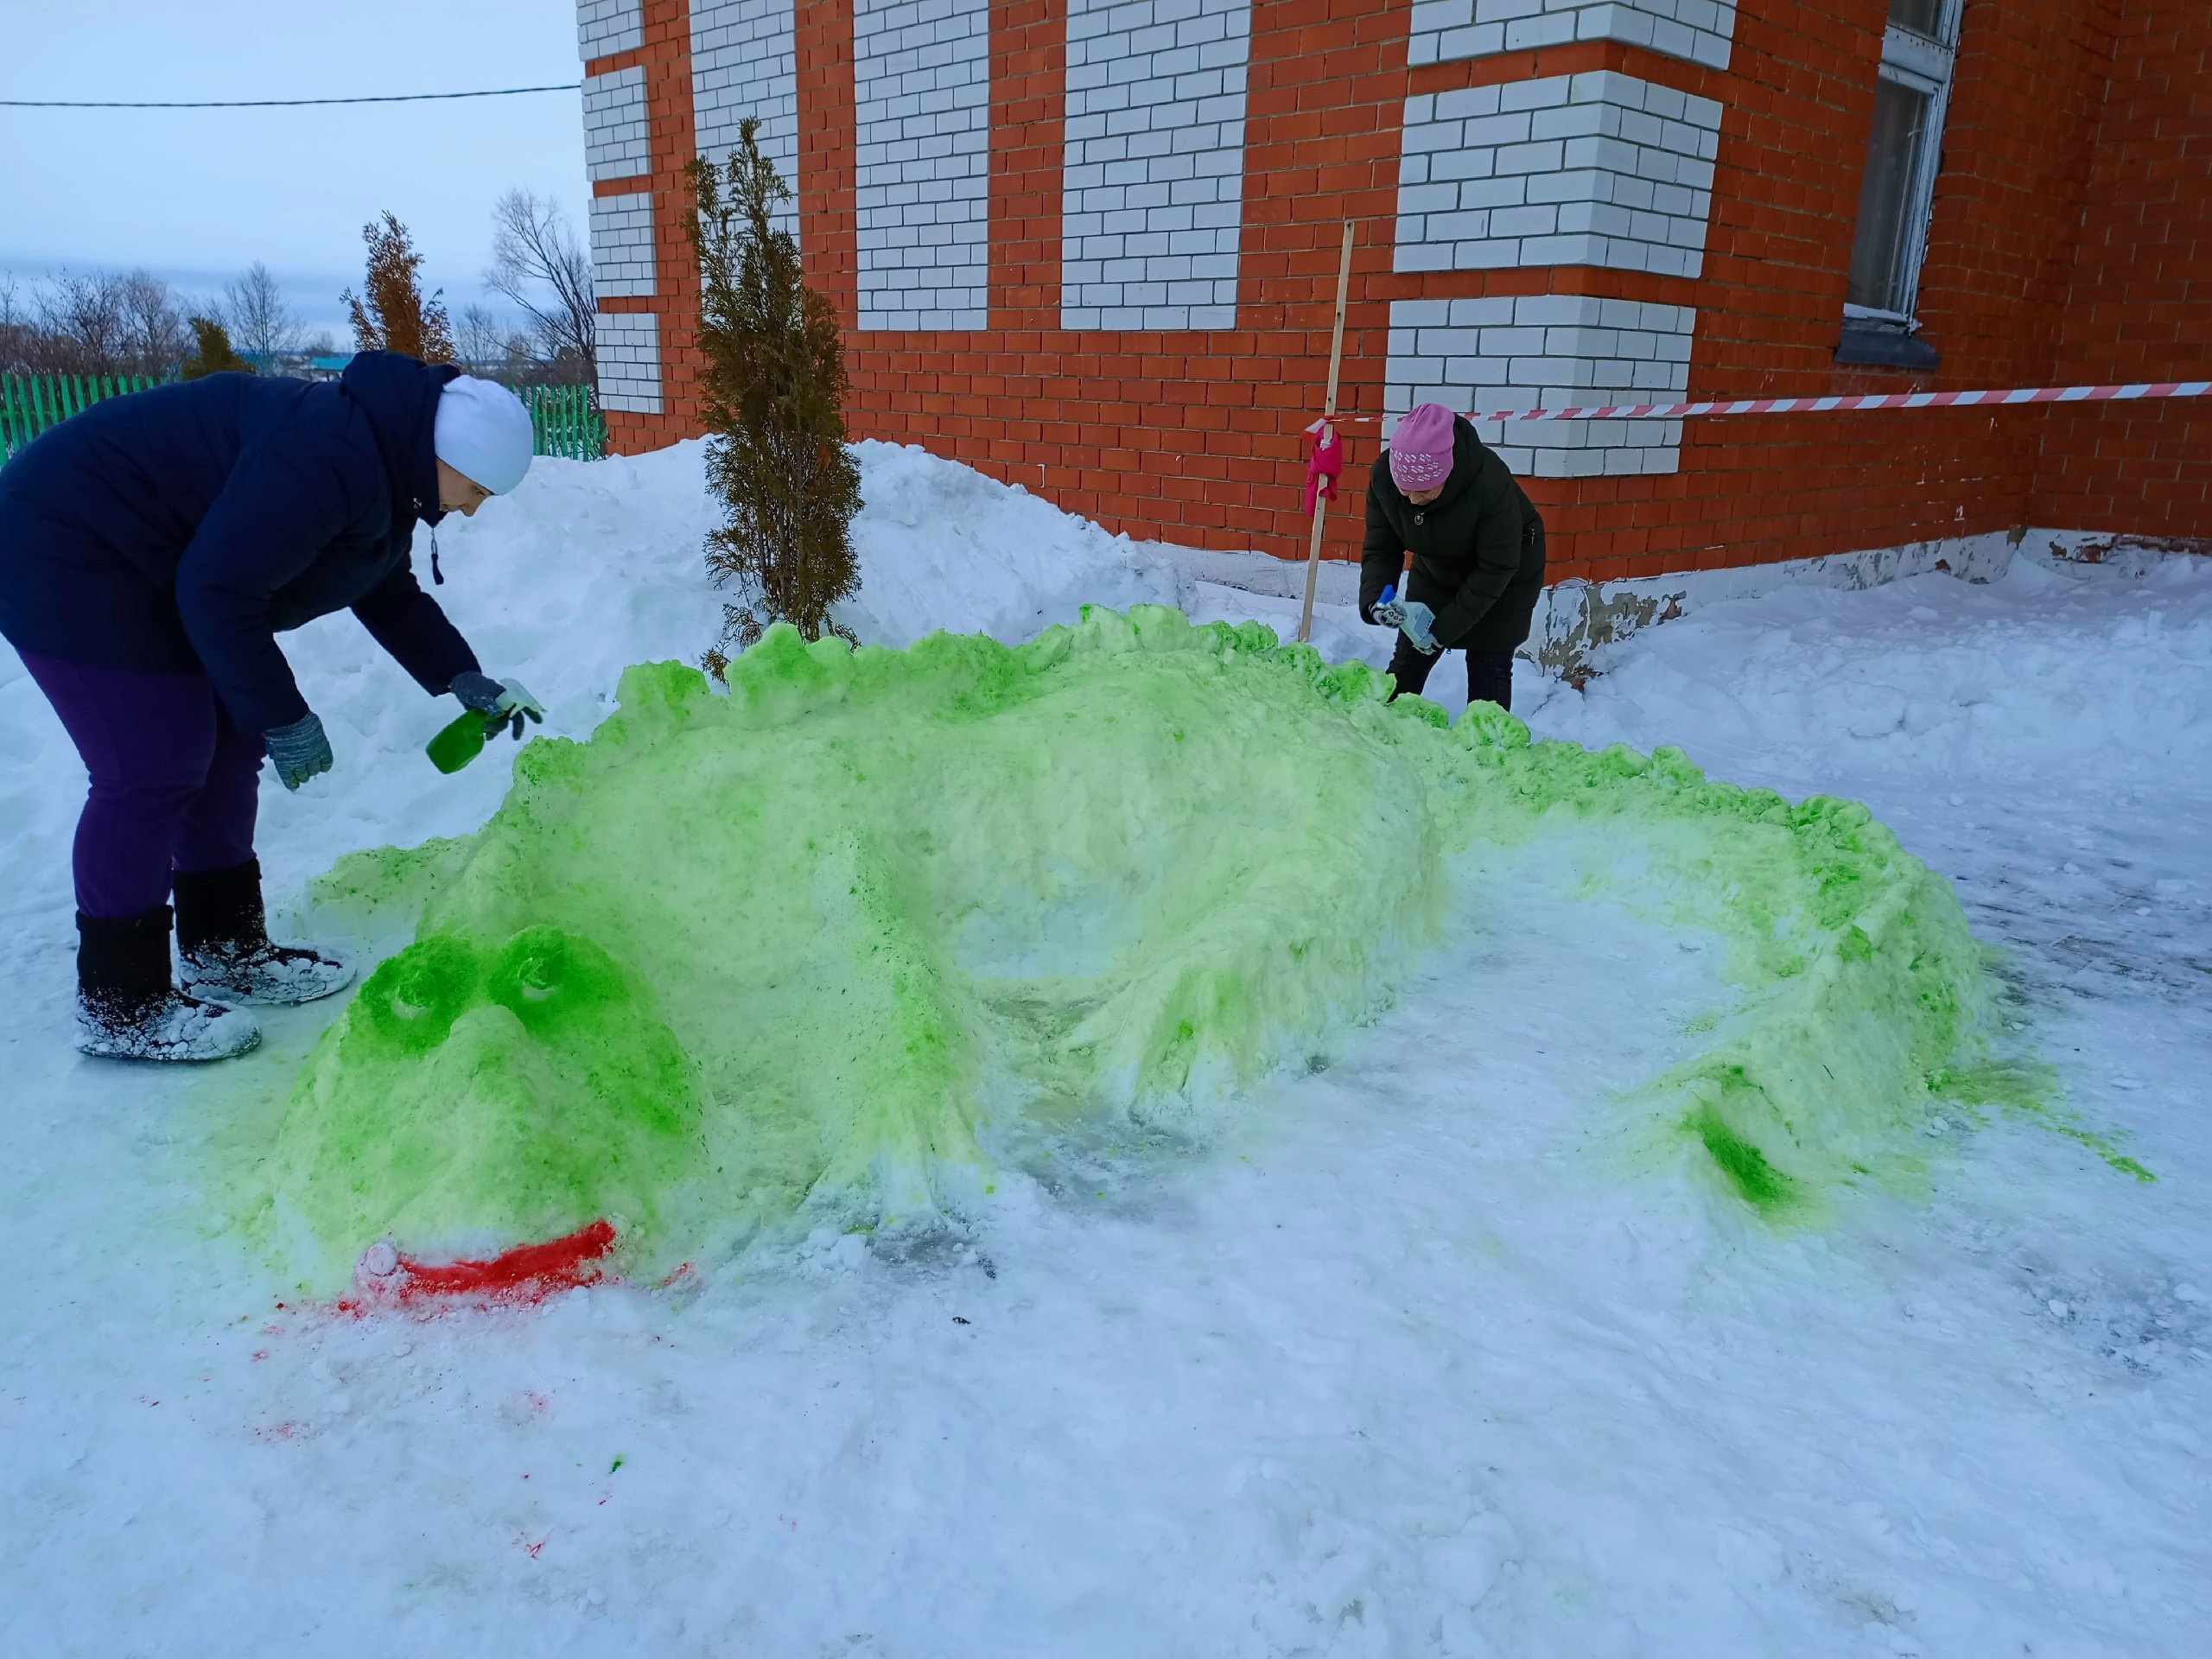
(618, 142)
(622, 245)
(629, 361)
(606, 27)
(1547, 350)
(1599, 168)
(1700, 30)
(1152, 182)
(744, 61)
(922, 109)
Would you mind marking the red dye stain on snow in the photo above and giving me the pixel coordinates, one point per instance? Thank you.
(528, 1273)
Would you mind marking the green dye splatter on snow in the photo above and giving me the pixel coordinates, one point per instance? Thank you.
(2029, 1089)
(822, 941)
(2022, 1085)
(1758, 1183)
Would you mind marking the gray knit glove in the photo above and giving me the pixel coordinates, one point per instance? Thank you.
(298, 751)
(502, 703)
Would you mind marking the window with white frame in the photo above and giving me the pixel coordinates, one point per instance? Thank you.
(1902, 156)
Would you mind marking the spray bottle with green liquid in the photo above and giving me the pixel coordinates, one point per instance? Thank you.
(459, 743)
(463, 739)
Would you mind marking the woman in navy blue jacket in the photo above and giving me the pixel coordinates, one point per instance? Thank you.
(151, 548)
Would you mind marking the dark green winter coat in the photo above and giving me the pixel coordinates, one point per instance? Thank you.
(1478, 549)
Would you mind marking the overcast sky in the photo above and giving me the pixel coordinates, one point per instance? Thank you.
(196, 195)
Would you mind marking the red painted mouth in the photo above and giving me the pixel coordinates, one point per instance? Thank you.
(528, 1273)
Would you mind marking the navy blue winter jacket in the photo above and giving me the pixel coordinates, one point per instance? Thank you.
(185, 527)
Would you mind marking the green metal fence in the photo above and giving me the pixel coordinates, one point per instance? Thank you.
(567, 422)
(565, 419)
(31, 403)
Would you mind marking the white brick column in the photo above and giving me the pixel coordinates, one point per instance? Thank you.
(922, 111)
(1700, 30)
(1591, 169)
(1598, 169)
(629, 361)
(1547, 350)
(606, 27)
(744, 62)
(622, 245)
(618, 142)
(1152, 186)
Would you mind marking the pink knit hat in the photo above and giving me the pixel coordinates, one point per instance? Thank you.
(1421, 449)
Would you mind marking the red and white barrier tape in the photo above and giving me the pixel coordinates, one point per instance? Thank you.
(1878, 400)
(1830, 405)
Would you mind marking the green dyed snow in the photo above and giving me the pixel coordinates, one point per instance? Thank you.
(1758, 1183)
(2029, 1089)
(822, 940)
(505, 1088)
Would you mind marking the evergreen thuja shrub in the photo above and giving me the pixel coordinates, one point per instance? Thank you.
(391, 314)
(772, 392)
(212, 352)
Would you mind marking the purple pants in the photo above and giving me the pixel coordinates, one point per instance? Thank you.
(175, 785)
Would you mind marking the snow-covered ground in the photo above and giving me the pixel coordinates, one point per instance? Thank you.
(1393, 1370)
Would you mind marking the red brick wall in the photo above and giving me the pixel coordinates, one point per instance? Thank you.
(1190, 435)
(2142, 291)
(1798, 102)
(829, 233)
(1196, 436)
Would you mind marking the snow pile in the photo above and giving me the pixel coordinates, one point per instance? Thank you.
(943, 546)
(2053, 665)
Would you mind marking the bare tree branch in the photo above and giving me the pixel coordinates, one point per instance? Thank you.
(479, 337)
(19, 339)
(537, 264)
(259, 323)
(81, 317)
(154, 328)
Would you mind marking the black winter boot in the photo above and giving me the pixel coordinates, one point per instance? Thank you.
(126, 1008)
(222, 934)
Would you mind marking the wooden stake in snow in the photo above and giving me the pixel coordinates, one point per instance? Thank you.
(1328, 415)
